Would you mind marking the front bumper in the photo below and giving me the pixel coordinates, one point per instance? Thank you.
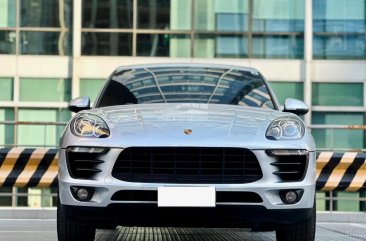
(267, 188)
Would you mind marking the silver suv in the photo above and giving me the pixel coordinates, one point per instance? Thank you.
(191, 145)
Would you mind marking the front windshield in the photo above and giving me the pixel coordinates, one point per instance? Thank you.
(186, 85)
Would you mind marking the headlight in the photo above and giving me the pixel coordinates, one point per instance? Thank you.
(88, 125)
(285, 128)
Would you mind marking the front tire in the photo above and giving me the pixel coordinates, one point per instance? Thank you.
(69, 230)
(304, 231)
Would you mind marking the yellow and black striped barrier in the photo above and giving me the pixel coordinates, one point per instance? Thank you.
(341, 171)
(28, 167)
(37, 167)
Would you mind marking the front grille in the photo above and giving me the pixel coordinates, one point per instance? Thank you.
(83, 165)
(152, 196)
(290, 168)
(193, 165)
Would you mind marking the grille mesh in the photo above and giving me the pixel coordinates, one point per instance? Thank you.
(187, 165)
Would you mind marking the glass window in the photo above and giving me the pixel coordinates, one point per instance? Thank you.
(284, 90)
(6, 89)
(7, 42)
(280, 46)
(6, 131)
(278, 15)
(7, 13)
(220, 46)
(41, 135)
(91, 87)
(338, 138)
(229, 15)
(6, 201)
(320, 201)
(107, 14)
(113, 44)
(337, 94)
(32, 89)
(340, 47)
(186, 84)
(339, 16)
(339, 29)
(165, 45)
(164, 14)
(45, 13)
(45, 43)
(348, 205)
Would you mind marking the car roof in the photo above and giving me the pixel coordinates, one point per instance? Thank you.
(197, 65)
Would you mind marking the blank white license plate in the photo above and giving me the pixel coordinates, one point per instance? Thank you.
(186, 197)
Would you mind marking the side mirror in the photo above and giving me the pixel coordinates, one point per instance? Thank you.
(79, 104)
(295, 106)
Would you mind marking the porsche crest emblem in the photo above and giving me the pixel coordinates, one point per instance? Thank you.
(187, 131)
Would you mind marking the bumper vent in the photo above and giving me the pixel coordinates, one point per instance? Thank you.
(83, 165)
(291, 167)
(193, 165)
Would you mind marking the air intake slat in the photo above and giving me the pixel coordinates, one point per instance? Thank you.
(187, 165)
(290, 168)
(88, 169)
(84, 165)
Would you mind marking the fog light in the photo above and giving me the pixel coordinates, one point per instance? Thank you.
(83, 194)
(291, 197)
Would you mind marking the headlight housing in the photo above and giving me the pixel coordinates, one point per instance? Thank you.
(285, 128)
(89, 125)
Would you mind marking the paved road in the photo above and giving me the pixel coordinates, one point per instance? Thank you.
(45, 230)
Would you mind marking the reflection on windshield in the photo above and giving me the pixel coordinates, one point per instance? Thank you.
(186, 85)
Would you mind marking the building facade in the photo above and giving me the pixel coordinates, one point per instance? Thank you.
(54, 50)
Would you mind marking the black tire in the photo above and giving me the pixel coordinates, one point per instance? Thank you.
(69, 230)
(298, 232)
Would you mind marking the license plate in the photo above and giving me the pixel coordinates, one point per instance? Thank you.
(186, 197)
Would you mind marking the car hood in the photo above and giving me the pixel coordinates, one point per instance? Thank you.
(185, 125)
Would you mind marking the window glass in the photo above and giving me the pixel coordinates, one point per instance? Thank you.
(186, 84)
(7, 42)
(165, 45)
(339, 16)
(339, 29)
(339, 47)
(45, 13)
(348, 205)
(6, 89)
(32, 89)
(280, 46)
(45, 43)
(320, 201)
(6, 131)
(41, 135)
(91, 87)
(220, 46)
(284, 90)
(216, 15)
(164, 14)
(107, 14)
(278, 15)
(6, 201)
(7, 13)
(112, 44)
(338, 138)
(337, 94)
